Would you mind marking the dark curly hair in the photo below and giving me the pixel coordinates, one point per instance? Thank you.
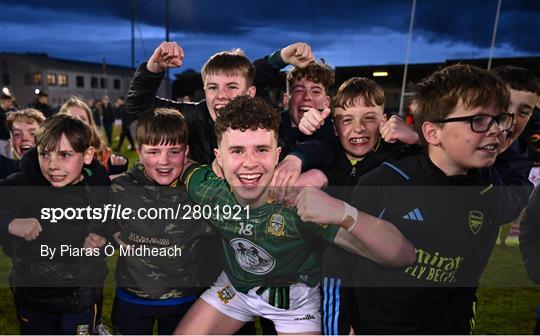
(245, 112)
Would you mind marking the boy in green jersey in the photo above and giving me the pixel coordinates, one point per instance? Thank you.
(270, 266)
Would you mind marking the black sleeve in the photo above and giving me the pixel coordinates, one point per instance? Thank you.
(265, 73)
(267, 70)
(7, 210)
(520, 187)
(142, 98)
(8, 166)
(529, 236)
(519, 175)
(513, 195)
(10, 206)
(117, 169)
(513, 201)
(142, 91)
(514, 173)
(6, 239)
(319, 149)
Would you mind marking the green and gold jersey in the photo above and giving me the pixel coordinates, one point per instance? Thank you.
(269, 245)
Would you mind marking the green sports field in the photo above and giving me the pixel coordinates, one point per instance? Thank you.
(501, 309)
(507, 298)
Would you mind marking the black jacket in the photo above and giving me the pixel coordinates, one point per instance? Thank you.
(66, 282)
(8, 166)
(449, 220)
(514, 166)
(343, 175)
(315, 151)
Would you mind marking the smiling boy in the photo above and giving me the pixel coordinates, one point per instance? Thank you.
(270, 268)
(151, 289)
(359, 120)
(22, 126)
(56, 295)
(307, 90)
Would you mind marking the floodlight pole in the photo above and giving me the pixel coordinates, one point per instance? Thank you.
(494, 35)
(167, 28)
(407, 55)
(133, 33)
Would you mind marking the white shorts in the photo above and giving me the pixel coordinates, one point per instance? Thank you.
(303, 314)
(534, 176)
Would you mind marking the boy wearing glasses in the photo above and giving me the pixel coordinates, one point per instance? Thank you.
(444, 200)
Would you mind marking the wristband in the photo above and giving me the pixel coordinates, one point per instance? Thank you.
(348, 222)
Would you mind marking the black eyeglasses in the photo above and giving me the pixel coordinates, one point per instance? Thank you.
(481, 123)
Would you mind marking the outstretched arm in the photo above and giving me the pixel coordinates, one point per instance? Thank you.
(166, 55)
(298, 54)
(360, 233)
(145, 83)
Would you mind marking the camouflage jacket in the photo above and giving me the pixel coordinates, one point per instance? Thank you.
(162, 263)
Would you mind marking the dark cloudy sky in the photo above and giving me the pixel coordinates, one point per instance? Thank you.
(344, 32)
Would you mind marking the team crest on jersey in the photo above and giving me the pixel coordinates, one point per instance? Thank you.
(226, 294)
(83, 329)
(252, 258)
(276, 225)
(476, 219)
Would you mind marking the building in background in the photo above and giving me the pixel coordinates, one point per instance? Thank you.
(23, 74)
